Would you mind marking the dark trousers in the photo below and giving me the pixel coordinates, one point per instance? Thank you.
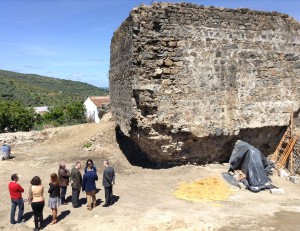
(37, 208)
(108, 195)
(14, 204)
(63, 193)
(75, 197)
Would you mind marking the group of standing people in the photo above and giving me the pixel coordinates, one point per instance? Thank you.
(58, 189)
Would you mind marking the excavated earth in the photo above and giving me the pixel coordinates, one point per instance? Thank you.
(144, 199)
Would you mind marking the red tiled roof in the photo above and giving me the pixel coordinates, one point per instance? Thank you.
(99, 100)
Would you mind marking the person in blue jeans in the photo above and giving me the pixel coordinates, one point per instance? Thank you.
(15, 191)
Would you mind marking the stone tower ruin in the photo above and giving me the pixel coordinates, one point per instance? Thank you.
(187, 81)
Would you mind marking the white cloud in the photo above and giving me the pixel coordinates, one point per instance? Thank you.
(34, 67)
(77, 75)
(80, 63)
(31, 49)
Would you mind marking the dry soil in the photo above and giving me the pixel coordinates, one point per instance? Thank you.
(144, 199)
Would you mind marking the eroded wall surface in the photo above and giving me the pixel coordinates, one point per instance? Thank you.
(187, 81)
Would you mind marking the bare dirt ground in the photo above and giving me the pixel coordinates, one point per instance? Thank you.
(144, 196)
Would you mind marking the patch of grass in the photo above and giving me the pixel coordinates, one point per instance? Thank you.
(88, 144)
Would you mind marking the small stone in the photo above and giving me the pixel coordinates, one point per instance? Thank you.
(180, 43)
(168, 62)
(160, 62)
(166, 82)
(172, 44)
(277, 191)
(294, 179)
(169, 91)
(166, 71)
(158, 71)
(174, 71)
(241, 186)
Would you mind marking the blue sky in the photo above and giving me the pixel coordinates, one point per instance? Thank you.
(70, 39)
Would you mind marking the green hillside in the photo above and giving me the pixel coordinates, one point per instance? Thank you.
(35, 90)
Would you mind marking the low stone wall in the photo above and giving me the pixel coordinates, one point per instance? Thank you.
(187, 81)
(18, 138)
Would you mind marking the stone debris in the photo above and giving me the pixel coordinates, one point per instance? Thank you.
(277, 191)
(294, 179)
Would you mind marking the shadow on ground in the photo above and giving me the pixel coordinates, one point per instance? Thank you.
(134, 154)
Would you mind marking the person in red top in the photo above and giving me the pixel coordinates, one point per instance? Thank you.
(15, 191)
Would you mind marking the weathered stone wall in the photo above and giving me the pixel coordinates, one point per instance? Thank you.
(19, 138)
(187, 81)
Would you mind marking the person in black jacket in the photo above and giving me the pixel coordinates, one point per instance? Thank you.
(76, 179)
(108, 182)
(54, 196)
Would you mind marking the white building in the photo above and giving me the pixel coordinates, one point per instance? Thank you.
(93, 105)
(41, 110)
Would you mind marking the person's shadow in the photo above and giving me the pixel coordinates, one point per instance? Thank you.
(69, 199)
(27, 216)
(98, 202)
(60, 217)
(115, 199)
(82, 201)
(63, 215)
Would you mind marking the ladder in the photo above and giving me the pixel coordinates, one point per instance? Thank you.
(275, 155)
(281, 162)
(285, 148)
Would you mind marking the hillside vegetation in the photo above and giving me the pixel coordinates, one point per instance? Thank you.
(35, 90)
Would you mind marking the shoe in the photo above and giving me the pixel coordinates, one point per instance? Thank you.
(20, 223)
(89, 208)
(53, 222)
(64, 203)
(105, 205)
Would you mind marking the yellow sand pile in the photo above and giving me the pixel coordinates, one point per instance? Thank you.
(207, 189)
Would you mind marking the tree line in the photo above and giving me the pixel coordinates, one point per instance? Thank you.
(14, 116)
(35, 90)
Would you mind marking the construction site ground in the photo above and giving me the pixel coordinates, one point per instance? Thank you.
(144, 199)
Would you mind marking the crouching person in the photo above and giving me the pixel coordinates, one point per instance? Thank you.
(5, 151)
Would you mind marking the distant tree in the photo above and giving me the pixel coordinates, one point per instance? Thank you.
(22, 119)
(15, 117)
(75, 113)
(71, 113)
(4, 115)
(56, 114)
